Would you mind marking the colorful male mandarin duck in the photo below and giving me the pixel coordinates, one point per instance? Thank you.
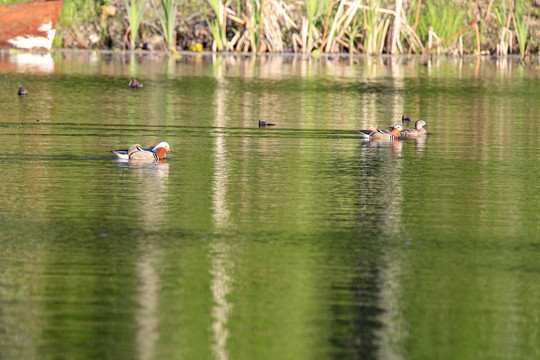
(22, 91)
(374, 133)
(416, 131)
(134, 84)
(136, 152)
(263, 123)
(405, 117)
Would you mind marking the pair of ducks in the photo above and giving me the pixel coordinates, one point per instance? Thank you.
(155, 152)
(397, 132)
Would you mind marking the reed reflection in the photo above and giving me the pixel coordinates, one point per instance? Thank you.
(151, 185)
(376, 309)
(220, 249)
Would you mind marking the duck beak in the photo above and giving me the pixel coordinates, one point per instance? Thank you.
(169, 150)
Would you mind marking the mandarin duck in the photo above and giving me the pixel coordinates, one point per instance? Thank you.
(134, 84)
(136, 152)
(417, 130)
(22, 91)
(375, 133)
(405, 117)
(263, 123)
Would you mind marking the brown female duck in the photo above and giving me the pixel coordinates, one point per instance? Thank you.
(417, 130)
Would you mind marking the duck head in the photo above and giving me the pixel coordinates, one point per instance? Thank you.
(405, 117)
(398, 127)
(160, 149)
(420, 123)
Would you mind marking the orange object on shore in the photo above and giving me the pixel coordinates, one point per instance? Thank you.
(29, 25)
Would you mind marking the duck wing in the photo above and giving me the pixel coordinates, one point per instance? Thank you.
(122, 154)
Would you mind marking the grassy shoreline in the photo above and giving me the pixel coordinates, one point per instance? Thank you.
(373, 27)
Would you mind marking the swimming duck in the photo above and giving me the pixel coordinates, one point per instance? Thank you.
(405, 117)
(374, 133)
(22, 91)
(136, 152)
(124, 154)
(134, 84)
(417, 130)
(263, 123)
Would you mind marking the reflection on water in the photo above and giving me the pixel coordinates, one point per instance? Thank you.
(221, 265)
(27, 62)
(152, 180)
(221, 287)
(147, 315)
(297, 241)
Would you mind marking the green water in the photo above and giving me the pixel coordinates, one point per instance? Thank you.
(299, 241)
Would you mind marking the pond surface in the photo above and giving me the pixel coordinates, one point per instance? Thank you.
(299, 241)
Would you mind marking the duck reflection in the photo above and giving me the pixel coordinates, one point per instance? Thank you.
(420, 144)
(395, 145)
(148, 174)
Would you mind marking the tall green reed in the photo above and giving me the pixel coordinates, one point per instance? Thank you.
(218, 25)
(505, 35)
(521, 26)
(443, 16)
(375, 29)
(317, 11)
(352, 34)
(254, 14)
(168, 22)
(135, 10)
(311, 12)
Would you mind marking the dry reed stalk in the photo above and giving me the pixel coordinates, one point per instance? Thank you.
(263, 23)
(382, 35)
(397, 27)
(505, 42)
(304, 35)
(413, 38)
(352, 35)
(334, 27)
(477, 32)
(328, 11)
(297, 42)
(440, 42)
(272, 39)
(418, 4)
(376, 36)
(488, 10)
(431, 36)
(350, 14)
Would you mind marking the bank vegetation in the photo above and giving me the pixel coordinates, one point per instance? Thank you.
(495, 27)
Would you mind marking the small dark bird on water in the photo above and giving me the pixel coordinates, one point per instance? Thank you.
(405, 117)
(264, 124)
(134, 84)
(22, 91)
